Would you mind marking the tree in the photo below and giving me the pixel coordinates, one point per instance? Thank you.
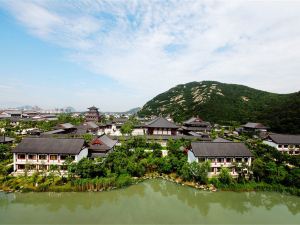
(5, 152)
(195, 171)
(224, 176)
(127, 128)
(87, 137)
(258, 168)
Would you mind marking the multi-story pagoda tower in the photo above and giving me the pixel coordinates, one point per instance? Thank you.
(92, 115)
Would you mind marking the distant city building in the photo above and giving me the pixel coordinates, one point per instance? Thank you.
(287, 143)
(92, 115)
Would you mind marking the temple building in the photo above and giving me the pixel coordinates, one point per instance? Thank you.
(101, 146)
(194, 126)
(161, 126)
(92, 115)
(254, 127)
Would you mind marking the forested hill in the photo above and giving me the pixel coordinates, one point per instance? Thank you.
(222, 103)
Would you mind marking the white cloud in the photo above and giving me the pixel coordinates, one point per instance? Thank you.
(149, 46)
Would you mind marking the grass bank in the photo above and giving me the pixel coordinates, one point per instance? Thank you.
(61, 184)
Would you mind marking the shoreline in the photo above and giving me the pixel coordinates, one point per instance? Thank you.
(247, 187)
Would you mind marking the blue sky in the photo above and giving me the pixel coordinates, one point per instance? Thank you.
(119, 54)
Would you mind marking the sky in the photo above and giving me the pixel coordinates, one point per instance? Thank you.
(118, 55)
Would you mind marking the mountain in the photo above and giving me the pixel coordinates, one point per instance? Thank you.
(133, 111)
(227, 104)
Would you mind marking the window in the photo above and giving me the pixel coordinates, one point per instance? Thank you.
(238, 159)
(291, 146)
(297, 146)
(63, 157)
(285, 146)
(21, 167)
(42, 167)
(296, 152)
(220, 160)
(64, 167)
(21, 156)
(72, 157)
(32, 167)
(201, 159)
(279, 146)
(53, 157)
(245, 159)
(42, 157)
(228, 159)
(32, 157)
(212, 169)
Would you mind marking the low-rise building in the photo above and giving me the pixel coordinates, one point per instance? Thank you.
(195, 125)
(254, 127)
(38, 154)
(287, 143)
(161, 126)
(101, 146)
(220, 154)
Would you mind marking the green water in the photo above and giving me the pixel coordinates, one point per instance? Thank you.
(151, 202)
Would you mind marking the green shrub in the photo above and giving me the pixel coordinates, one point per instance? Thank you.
(123, 180)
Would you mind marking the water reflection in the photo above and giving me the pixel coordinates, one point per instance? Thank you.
(157, 191)
(239, 202)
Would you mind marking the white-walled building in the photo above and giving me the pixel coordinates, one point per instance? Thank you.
(38, 154)
(287, 143)
(221, 154)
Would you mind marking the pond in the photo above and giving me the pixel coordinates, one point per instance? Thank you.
(150, 202)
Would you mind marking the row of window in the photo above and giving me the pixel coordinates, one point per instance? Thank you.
(43, 157)
(288, 146)
(222, 160)
(38, 167)
(218, 169)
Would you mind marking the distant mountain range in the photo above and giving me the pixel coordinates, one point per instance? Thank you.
(131, 111)
(227, 103)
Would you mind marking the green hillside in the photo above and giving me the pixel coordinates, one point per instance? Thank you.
(227, 103)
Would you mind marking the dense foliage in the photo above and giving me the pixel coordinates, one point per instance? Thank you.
(273, 167)
(227, 103)
(135, 158)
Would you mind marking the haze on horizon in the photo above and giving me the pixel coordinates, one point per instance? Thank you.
(117, 55)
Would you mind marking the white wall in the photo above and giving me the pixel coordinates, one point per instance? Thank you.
(191, 157)
(270, 143)
(82, 154)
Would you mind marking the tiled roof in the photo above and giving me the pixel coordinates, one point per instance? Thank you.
(220, 149)
(66, 125)
(255, 126)
(92, 125)
(161, 122)
(285, 138)
(102, 144)
(50, 145)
